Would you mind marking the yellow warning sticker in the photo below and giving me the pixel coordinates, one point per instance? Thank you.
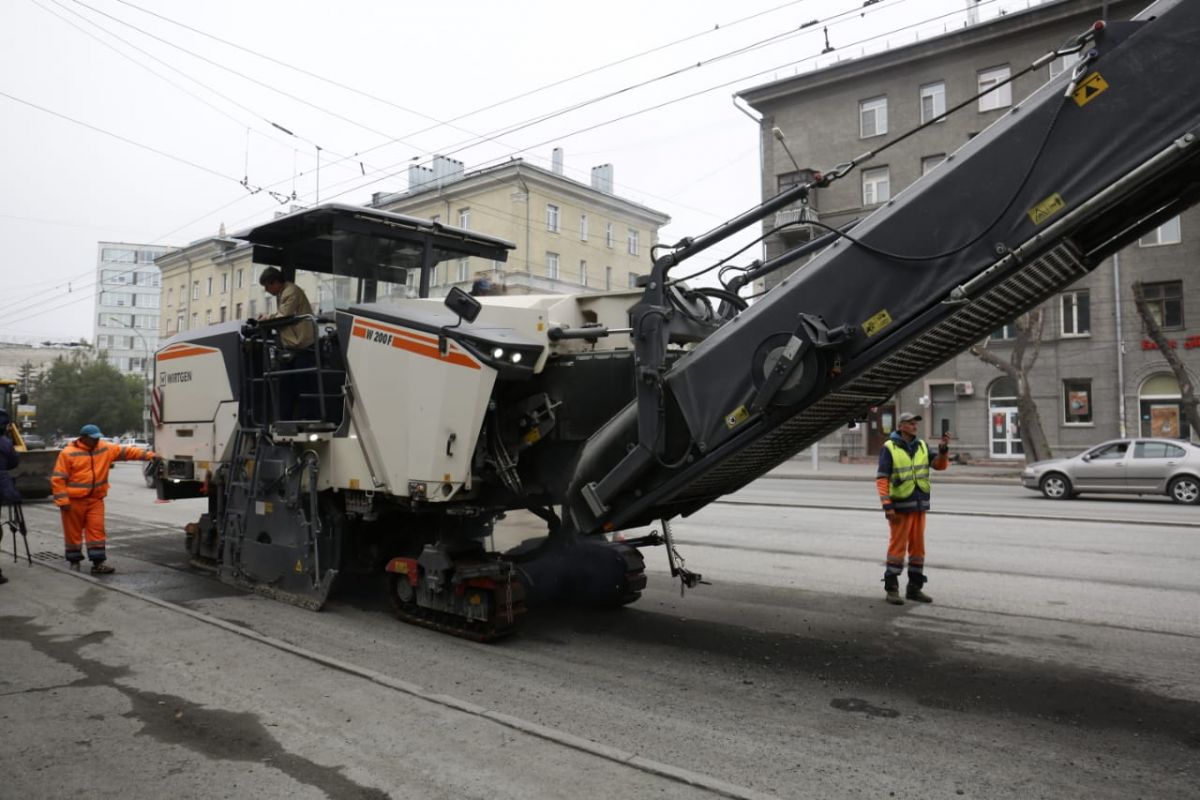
(1088, 88)
(299, 566)
(877, 323)
(736, 417)
(1047, 208)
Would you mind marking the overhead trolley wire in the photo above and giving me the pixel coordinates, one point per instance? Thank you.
(635, 113)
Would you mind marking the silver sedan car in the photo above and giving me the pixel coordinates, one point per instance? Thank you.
(1129, 466)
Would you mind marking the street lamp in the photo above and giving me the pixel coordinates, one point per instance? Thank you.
(145, 369)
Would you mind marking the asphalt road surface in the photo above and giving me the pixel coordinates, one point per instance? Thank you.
(1060, 659)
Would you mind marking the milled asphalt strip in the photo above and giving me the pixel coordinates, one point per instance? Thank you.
(562, 738)
(942, 512)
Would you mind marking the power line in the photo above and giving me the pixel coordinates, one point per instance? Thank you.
(117, 136)
(241, 75)
(685, 97)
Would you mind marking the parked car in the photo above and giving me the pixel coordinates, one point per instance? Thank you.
(1127, 466)
(33, 441)
(134, 441)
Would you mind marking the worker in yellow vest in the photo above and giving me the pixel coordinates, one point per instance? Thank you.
(902, 481)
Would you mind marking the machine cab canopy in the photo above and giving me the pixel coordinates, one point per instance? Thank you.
(363, 255)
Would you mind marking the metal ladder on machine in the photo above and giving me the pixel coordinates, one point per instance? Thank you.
(240, 486)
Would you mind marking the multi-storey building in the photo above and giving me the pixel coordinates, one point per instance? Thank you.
(127, 304)
(569, 237)
(1097, 375)
(208, 281)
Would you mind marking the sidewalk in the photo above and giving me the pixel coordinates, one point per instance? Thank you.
(801, 467)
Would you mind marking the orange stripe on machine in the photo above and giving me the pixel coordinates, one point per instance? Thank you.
(412, 342)
(182, 350)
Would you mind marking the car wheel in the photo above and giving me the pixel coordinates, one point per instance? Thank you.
(1185, 489)
(1056, 486)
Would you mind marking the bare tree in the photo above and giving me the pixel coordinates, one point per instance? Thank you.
(1025, 350)
(1187, 391)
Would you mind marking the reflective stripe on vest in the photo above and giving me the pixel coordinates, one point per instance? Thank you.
(908, 472)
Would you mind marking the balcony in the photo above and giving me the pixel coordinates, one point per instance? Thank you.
(795, 220)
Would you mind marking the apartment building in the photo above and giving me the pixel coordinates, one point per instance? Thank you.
(209, 281)
(1097, 375)
(127, 304)
(569, 236)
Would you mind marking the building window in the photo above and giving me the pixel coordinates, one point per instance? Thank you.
(195, 319)
(1077, 402)
(237, 282)
(583, 227)
(1167, 233)
(170, 297)
(633, 276)
(608, 234)
(632, 241)
(999, 98)
(237, 311)
(464, 269)
(608, 278)
(583, 273)
(179, 323)
(552, 266)
(196, 290)
(208, 287)
(872, 117)
(929, 162)
(1060, 65)
(1076, 313)
(552, 218)
(224, 282)
(224, 315)
(1004, 333)
(875, 186)
(1165, 301)
(253, 309)
(933, 101)
(464, 218)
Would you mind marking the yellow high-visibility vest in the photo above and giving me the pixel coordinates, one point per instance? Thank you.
(908, 472)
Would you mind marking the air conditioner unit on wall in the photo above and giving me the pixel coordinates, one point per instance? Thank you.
(964, 388)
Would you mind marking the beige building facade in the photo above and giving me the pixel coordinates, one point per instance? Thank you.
(570, 237)
(209, 281)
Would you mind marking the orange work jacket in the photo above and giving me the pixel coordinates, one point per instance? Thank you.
(80, 472)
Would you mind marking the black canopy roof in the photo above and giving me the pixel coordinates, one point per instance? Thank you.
(364, 242)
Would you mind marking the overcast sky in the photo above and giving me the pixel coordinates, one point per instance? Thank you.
(196, 115)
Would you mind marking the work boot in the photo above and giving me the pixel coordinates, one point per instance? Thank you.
(74, 565)
(100, 568)
(891, 587)
(913, 592)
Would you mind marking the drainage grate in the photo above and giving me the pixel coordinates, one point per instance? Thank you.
(48, 556)
(1018, 293)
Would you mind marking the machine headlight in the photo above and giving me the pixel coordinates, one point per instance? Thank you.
(515, 358)
(498, 353)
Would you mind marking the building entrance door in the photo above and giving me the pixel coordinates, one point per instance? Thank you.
(1164, 420)
(880, 425)
(1005, 433)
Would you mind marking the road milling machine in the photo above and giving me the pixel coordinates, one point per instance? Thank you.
(393, 444)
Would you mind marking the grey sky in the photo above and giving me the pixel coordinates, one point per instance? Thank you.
(66, 186)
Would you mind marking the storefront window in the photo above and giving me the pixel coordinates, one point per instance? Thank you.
(1077, 402)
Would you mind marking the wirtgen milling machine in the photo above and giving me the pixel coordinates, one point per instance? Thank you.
(393, 444)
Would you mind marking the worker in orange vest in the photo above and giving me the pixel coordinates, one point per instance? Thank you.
(79, 484)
